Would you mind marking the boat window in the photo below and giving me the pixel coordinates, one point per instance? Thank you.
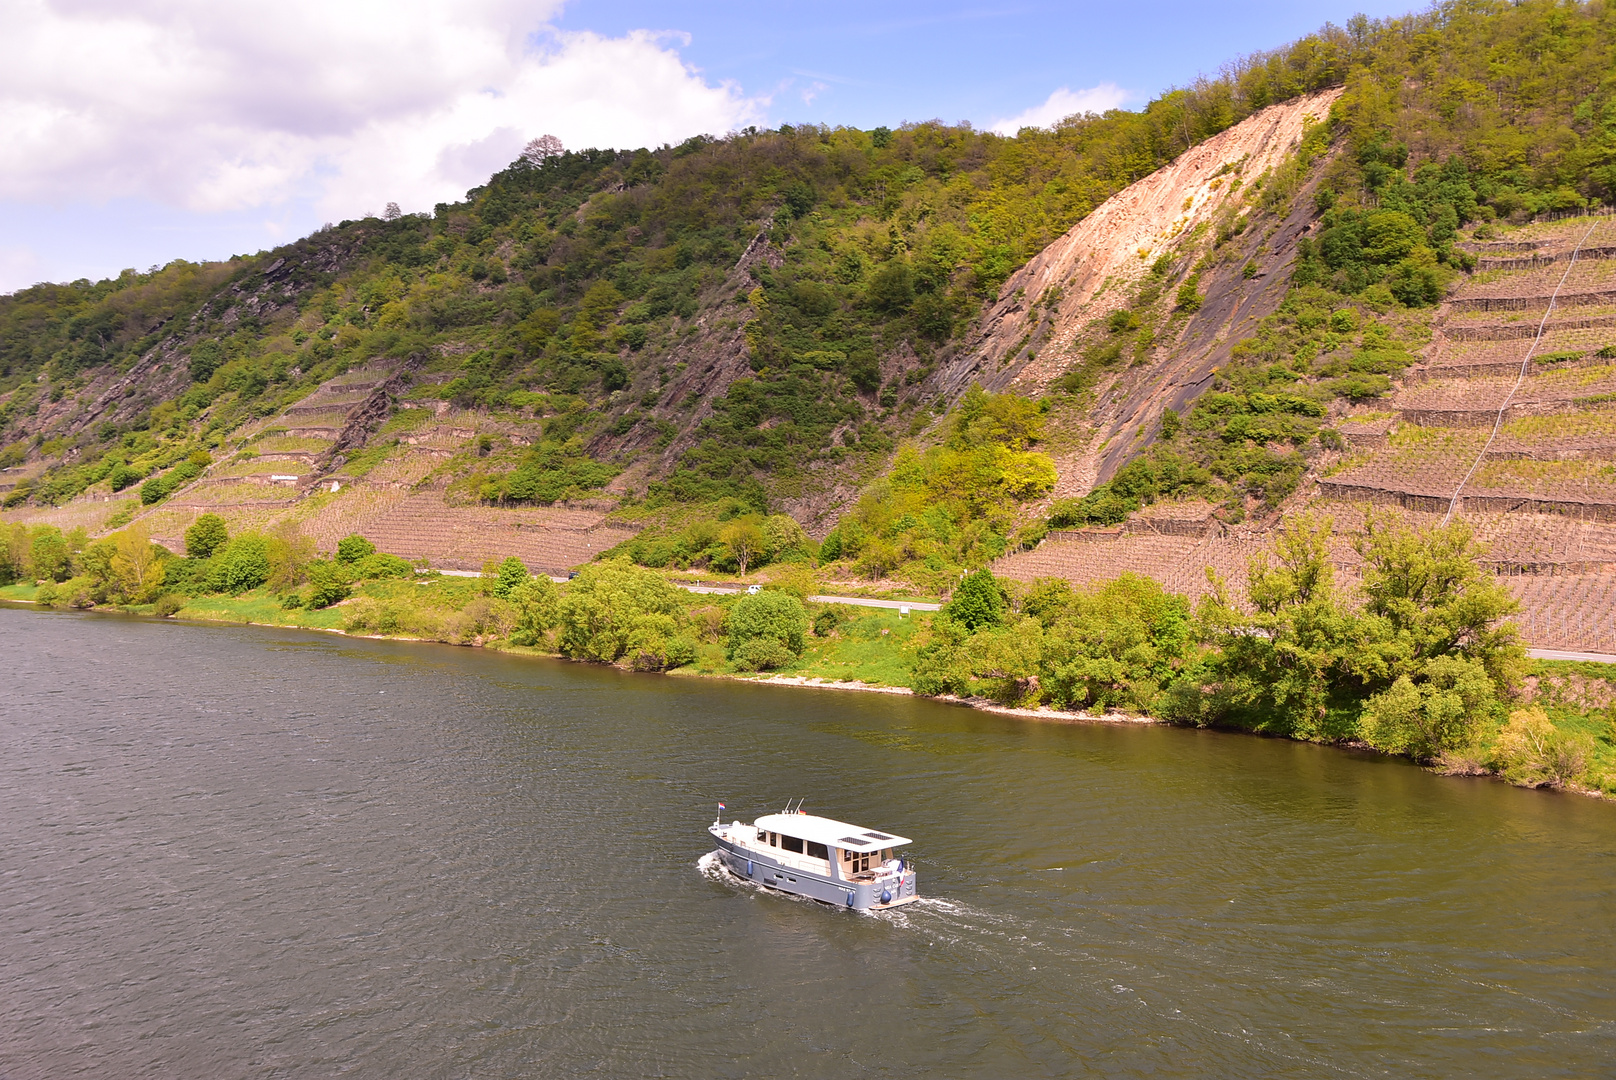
(818, 851)
(791, 843)
(886, 855)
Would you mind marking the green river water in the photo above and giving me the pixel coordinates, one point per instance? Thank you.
(243, 852)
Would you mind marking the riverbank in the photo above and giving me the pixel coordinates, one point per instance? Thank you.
(861, 650)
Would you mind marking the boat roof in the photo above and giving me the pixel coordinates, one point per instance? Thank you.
(831, 833)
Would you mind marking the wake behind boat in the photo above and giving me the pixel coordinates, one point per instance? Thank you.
(817, 857)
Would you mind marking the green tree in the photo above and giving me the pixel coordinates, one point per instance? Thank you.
(612, 605)
(48, 554)
(512, 573)
(744, 539)
(1115, 646)
(205, 536)
(979, 601)
(240, 565)
(1430, 597)
(1008, 655)
(137, 563)
(942, 665)
(537, 603)
(1442, 713)
(327, 584)
(13, 552)
(290, 553)
(1282, 666)
(769, 626)
(352, 548)
(892, 287)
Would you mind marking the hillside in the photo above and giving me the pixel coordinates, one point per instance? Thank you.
(1304, 283)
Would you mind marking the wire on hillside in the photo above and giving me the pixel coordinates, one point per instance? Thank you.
(1498, 421)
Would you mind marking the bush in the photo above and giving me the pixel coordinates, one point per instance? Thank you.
(1532, 752)
(123, 476)
(380, 565)
(762, 654)
(205, 536)
(159, 488)
(351, 549)
(168, 605)
(327, 584)
(242, 564)
(979, 601)
(767, 617)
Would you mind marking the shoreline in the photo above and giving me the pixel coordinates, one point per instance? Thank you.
(813, 682)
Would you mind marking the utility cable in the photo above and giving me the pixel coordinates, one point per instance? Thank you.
(1526, 361)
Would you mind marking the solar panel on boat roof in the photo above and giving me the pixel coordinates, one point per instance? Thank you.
(853, 840)
(878, 836)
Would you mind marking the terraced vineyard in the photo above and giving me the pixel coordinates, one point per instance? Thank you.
(353, 457)
(1541, 491)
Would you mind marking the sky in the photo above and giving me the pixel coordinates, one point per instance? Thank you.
(141, 131)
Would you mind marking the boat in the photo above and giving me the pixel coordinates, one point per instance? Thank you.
(818, 857)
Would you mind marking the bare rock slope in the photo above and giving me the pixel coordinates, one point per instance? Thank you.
(1026, 339)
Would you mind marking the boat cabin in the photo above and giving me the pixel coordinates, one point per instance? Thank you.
(817, 844)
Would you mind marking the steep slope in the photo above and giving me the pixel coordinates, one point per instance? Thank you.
(1185, 211)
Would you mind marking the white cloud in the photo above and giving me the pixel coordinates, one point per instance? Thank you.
(1061, 104)
(349, 104)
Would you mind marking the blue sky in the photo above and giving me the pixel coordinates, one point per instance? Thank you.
(147, 130)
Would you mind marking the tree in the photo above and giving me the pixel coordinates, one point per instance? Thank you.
(13, 552)
(785, 539)
(770, 627)
(511, 574)
(611, 606)
(536, 601)
(979, 601)
(327, 584)
(1009, 655)
(352, 548)
(892, 288)
(48, 554)
(1114, 646)
(136, 563)
(744, 539)
(540, 150)
(290, 553)
(1283, 665)
(1430, 597)
(1442, 713)
(392, 213)
(205, 536)
(240, 565)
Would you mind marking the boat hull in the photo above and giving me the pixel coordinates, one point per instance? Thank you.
(752, 865)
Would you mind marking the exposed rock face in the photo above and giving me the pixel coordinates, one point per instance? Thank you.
(1098, 260)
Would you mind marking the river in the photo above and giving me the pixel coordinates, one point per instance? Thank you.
(247, 852)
